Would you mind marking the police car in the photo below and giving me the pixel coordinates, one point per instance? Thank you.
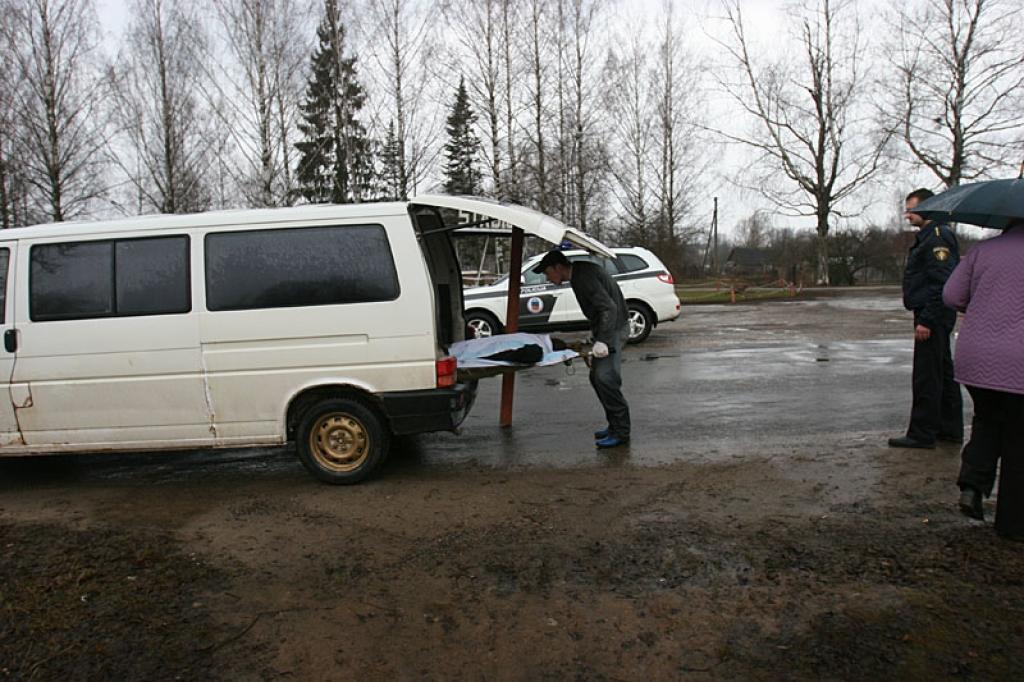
(646, 285)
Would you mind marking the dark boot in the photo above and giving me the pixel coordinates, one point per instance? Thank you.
(970, 504)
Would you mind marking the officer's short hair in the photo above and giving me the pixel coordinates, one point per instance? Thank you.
(920, 194)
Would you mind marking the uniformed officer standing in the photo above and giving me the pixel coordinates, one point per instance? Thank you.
(601, 301)
(937, 411)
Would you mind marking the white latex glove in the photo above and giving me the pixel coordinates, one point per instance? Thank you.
(600, 350)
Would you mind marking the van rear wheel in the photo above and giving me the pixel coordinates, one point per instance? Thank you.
(342, 440)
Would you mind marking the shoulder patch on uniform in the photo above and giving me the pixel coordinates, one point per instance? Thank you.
(941, 253)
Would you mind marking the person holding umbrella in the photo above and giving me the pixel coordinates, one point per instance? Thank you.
(937, 408)
(988, 287)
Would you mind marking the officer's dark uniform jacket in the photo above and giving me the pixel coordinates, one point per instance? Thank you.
(929, 264)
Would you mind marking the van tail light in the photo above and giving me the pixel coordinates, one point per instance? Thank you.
(666, 277)
(446, 369)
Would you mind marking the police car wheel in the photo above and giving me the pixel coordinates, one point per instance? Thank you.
(481, 325)
(641, 321)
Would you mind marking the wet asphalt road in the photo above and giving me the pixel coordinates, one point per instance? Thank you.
(721, 382)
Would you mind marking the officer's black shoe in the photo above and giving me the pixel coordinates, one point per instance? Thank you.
(970, 504)
(908, 442)
(945, 438)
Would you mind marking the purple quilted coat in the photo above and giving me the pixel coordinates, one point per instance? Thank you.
(988, 287)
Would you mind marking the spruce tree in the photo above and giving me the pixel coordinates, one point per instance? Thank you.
(335, 155)
(463, 147)
(390, 175)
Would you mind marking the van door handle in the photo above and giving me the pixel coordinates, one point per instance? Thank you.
(11, 340)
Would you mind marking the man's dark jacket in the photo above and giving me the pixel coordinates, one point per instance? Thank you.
(929, 264)
(600, 300)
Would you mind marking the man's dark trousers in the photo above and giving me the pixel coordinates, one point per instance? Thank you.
(606, 378)
(938, 405)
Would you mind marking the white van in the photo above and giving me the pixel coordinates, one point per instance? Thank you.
(326, 325)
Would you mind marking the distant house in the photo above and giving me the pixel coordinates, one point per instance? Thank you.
(744, 260)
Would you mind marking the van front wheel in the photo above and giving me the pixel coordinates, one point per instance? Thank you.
(341, 440)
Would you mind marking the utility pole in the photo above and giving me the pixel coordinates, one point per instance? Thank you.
(714, 231)
(712, 245)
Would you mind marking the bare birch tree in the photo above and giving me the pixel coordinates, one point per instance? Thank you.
(581, 150)
(58, 108)
(677, 141)
(809, 135)
(538, 54)
(268, 43)
(156, 105)
(11, 184)
(630, 118)
(512, 70)
(400, 30)
(477, 25)
(960, 65)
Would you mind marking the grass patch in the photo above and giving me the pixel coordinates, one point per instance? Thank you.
(690, 296)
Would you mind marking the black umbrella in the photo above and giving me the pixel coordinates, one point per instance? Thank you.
(995, 203)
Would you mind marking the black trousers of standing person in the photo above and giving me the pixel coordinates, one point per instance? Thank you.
(606, 378)
(938, 405)
(997, 436)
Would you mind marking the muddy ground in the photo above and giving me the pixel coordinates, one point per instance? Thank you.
(756, 528)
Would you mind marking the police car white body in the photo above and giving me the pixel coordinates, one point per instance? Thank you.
(646, 285)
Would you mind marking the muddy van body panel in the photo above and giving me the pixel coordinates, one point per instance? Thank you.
(10, 432)
(255, 360)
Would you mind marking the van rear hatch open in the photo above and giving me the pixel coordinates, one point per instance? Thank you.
(439, 250)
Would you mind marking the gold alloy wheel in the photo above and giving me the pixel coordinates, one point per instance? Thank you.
(339, 442)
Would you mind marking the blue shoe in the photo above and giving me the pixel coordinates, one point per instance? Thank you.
(611, 442)
(603, 433)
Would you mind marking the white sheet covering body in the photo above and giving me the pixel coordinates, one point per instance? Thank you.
(471, 353)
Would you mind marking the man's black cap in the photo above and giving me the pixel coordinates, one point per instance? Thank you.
(553, 257)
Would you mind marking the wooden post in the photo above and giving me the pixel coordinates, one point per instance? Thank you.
(515, 266)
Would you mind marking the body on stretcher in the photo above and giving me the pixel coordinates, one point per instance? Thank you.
(480, 358)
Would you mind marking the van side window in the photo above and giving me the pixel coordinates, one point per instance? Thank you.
(307, 266)
(109, 278)
(5, 257)
(152, 276)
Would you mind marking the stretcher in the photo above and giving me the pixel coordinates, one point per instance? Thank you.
(475, 356)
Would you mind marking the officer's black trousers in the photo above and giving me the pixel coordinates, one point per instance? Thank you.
(997, 435)
(938, 406)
